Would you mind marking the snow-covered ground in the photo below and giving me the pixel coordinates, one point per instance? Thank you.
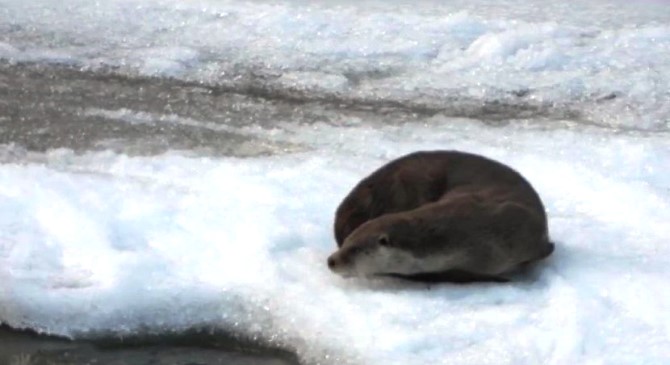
(102, 243)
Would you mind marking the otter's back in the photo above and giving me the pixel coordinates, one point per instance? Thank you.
(424, 177)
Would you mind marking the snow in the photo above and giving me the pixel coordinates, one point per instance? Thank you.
(103, 243)
(107, 244)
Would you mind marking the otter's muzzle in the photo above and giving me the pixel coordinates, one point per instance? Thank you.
(337, 264)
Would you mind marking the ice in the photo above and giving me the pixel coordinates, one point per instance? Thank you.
(108, 244)
(165, 61)
(568, 55)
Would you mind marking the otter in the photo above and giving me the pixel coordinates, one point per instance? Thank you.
(440, 216)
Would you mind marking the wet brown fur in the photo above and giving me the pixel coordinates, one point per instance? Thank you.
(448, 202)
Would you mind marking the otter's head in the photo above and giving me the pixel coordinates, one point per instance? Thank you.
(377, 247)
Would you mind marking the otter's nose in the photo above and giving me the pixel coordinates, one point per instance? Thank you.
(331, 262)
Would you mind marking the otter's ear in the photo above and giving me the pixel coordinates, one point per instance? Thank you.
(384, 240)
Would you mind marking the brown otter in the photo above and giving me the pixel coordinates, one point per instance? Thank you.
(440, 216)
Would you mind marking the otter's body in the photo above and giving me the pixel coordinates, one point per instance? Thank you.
(440, 216)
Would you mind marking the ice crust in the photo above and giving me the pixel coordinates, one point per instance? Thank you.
(606, 61)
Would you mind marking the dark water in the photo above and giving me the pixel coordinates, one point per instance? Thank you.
(27, 348)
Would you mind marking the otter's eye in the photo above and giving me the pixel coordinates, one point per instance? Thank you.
(384, 240)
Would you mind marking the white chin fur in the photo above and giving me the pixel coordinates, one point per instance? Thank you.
(387, 261)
